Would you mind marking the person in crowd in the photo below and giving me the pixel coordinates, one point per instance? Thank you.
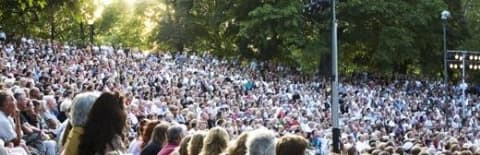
(261, 142)
(175, 134)
(81, 105)
(291, 145)
(31, 122)
(10, 131)
(238, 146)
(157, 140)
(10, 128)
(36, 94)
(51, 112)
(65, 107)
(148, 131)
(215, 141)
(196, 143)
(104, 128)
(182, 149)
(135, 146)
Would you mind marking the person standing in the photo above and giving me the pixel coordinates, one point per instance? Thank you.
(103, 131)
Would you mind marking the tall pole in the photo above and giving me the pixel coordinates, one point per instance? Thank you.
(335, 106)
(463, 86)
(445, 72)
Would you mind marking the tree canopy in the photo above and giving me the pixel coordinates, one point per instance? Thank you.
(402, 36)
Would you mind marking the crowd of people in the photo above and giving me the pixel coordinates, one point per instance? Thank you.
(62, 99)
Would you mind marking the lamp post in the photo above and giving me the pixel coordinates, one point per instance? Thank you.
(445, 15)
(90, 23)
(313, 9)
(335, 105)
(461, 60)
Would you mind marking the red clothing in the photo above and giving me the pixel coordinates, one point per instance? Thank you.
(293, 123)
(167, 149)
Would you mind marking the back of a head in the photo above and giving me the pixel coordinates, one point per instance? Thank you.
(175, 134)
(81, 105)
(159, 134)
(215, 142)
(416, 150)
(183, 150)
(291, 145)
(147, 134)
(239, 146)
(106, 121)
(196, 143)
(466, 152)
(353, 151)
(261, 142)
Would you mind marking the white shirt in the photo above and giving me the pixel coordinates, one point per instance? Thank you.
(7, 132)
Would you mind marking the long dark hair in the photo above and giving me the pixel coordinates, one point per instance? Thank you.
(106, 120)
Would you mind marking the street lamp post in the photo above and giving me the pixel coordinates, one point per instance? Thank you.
(335, 105)
(445, 15)
(461, 60)
(313, 9)
(90, 23)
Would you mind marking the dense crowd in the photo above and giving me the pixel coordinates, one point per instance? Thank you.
(62, 99)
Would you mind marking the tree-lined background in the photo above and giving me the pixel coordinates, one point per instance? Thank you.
(386, 36)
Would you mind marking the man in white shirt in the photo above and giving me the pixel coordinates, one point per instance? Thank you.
(7, 126)
(10, 129)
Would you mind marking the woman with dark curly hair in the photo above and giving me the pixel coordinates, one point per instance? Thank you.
(104, 127)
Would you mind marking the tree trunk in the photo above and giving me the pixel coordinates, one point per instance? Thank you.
(325, 68)
(52, 27)
(82, 33)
